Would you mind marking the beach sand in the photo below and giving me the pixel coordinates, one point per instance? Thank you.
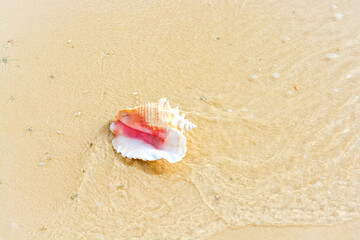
(272, 86)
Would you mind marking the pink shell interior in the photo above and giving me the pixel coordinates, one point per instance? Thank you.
(130, 124)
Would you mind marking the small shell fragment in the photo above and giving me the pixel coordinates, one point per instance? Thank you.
(150, 132)
(331, 55)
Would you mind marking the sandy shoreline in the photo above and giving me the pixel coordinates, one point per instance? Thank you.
(342, 231)
(273, 88)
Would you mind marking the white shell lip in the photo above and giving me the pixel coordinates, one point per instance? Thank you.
(137, 149)
(158, 114)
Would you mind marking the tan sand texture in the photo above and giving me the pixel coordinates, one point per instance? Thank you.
(273, 86)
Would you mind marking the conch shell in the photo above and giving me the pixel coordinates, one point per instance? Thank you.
(150, 132)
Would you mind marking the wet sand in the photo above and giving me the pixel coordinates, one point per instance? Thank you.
(273, 88)
(341, 231)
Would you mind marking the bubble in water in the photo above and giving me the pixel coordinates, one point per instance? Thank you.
(276, 75)
(338, 16)
(13, 225)
(319, 184)
(254, 76)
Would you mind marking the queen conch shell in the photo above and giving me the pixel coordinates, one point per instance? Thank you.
(150, 132)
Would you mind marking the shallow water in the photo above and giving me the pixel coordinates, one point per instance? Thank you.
(273, 88)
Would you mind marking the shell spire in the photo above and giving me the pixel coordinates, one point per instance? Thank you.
(161, 114)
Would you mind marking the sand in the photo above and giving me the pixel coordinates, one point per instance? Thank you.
(273, 88)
